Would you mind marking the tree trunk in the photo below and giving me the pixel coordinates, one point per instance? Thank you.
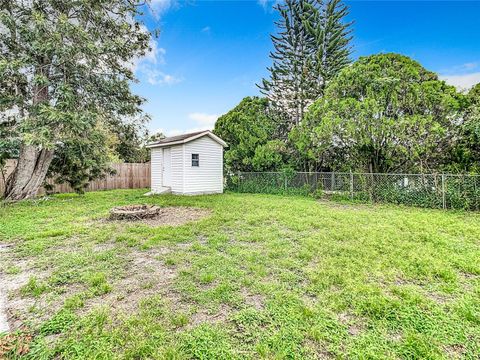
(29, 174)
(33, 161)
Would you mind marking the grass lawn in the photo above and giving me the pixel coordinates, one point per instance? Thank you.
(261, 276)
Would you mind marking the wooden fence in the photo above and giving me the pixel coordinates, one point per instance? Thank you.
(127, 176)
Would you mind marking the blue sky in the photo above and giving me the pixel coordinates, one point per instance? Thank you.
(210, 54)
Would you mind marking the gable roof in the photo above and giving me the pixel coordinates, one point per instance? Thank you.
(184, 138)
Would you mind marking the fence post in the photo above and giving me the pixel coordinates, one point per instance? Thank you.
(444, 200)
(285, 182)
(332, 182)
(351, 184)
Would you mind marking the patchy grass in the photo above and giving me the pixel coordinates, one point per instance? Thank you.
(261, 277)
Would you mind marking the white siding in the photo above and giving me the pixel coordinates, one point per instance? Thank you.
(208, 177)
(177, 168)
(156, 168)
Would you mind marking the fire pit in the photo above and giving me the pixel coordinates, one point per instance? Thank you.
(134, 212)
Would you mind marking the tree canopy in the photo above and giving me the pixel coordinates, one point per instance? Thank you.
(247, 130)
(466, 154)
(65, 76)
(384, 113)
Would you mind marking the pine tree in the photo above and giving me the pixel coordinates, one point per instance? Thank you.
(330, 36)
(312, 45)
(287, 88)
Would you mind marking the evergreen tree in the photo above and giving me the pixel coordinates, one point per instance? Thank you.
(288, 86)
(312, 45)
(330, 38)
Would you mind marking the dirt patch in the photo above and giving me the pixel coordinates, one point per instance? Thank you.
(319, 350)
(172, 216)
(438, 297)
(256, 301)
(204, 316)
(146, 276)
(351, 323)
(455, 351)
(13, 307)
(396, 336)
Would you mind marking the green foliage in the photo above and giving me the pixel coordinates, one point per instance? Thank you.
(289, 82)
(310, 47)
(79, 161)
(131, 140)
(466, 153)
(33, 287)
(65, 73)
(59, 323)
(245, 128)
(329, 38)
(9, 144)
(270, 156)
(208, 342)
(385, 113)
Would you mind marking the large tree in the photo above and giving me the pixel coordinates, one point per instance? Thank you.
(385, 113)
(311, 46)
(65, 73)
(466, 155)
(248, 130)
(289, 82)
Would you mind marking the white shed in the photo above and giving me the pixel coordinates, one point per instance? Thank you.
(187, 164)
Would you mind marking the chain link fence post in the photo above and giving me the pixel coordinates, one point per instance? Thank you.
(351, 185)
(444, 200)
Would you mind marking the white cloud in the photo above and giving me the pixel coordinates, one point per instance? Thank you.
(206, 29)
(156, 77)
(462, 81)
(149, 65)
(201, 122)
(204, 120)
(159, 7)
(156, 55)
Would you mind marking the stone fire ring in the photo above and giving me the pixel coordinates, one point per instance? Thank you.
(134, 212)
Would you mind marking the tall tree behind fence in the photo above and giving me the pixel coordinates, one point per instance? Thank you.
(127, 176)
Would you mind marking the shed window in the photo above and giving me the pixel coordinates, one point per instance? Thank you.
(195, 160)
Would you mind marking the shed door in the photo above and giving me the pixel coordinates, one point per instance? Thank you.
(167, 167)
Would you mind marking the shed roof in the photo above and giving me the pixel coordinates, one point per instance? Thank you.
(184, 138)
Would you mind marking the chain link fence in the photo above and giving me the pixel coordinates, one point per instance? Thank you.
(445, 191)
